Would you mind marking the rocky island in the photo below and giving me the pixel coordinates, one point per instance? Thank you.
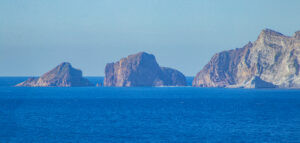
(272, 61)
(141, 69)
(64, 75)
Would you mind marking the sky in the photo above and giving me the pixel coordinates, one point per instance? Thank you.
(37, 35)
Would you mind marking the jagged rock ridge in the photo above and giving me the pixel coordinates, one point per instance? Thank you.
(271, 61)
(141, 69)
(64, 75)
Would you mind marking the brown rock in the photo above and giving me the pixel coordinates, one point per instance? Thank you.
(141, 69)
(273, 58)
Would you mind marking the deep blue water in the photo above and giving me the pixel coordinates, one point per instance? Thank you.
(162, 114)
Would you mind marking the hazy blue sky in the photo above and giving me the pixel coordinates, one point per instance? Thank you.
(37, 35)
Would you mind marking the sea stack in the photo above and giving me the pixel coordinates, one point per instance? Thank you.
(272, 61)
(63, 75)
(141, 69)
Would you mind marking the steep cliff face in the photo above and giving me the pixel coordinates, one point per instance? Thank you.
(141, 69)
(273, 58)
(64, 75)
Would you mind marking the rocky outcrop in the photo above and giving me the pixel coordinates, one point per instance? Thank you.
(64, 75)
(141, 69)
(269, 62)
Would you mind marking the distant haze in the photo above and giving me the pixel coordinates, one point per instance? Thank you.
(35, 36)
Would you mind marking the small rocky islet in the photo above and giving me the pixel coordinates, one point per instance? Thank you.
(63, 75)
(272, 61)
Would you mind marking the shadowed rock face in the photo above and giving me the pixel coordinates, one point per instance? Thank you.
(64, 75)
(141, 69)
(271, 61)
(259, 83)
(297, 35)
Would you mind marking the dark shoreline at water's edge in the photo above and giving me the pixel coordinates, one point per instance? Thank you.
(13, 80)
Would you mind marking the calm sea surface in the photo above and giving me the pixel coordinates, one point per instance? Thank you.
(153, 114)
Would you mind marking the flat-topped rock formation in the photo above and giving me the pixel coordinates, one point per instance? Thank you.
(141, 69)
(272, 61)
(64, 75)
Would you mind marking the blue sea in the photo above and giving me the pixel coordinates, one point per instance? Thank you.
(147, 114)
